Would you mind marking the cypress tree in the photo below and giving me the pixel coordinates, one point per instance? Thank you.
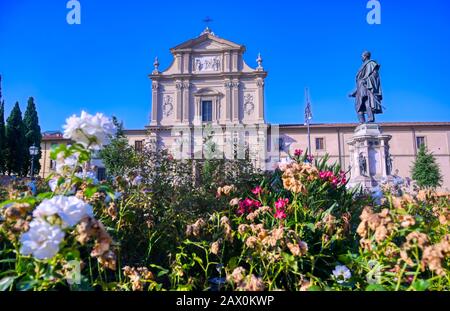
(2, 132)
(15, 141)
(119, 125)
(425, 170)
(2, 139)
(33, 136)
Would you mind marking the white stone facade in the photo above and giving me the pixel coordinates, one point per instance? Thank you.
(209, 88)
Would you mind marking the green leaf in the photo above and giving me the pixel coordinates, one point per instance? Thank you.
(311, 226)
(314, 288)
(89, 192)
(233, 262)
(421, 285)
(26, 285)
(162, 271)
(347, 258)
(197, 259)
(44, 195)
(7, 282)
(375, 288)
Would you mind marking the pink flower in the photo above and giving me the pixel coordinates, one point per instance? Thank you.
(281, 203)
(247, 206)
(280, 208)
(257, 191)
(280, 214)
(298, 152)
(310, 158)
(335, 181)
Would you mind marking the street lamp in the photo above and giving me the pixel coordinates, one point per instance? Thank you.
(34, 151)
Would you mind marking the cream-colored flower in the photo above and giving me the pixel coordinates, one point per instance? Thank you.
(215, 247)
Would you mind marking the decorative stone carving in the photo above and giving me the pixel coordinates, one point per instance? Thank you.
(167, 105)
(260, 82)
(178, 85)
(186, 84)
(368, 156)
(155, 85)
(228, 84)
(249, 106)
(207, 64)
(235, 84)
(362, 164)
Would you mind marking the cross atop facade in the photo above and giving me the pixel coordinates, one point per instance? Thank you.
(207, 21)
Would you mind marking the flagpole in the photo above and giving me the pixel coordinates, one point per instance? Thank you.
(308, 117)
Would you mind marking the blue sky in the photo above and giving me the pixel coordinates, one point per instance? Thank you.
(102, 64)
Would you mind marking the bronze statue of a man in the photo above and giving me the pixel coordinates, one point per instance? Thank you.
(368, 92)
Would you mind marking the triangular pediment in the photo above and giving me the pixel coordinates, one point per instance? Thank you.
(207, 42)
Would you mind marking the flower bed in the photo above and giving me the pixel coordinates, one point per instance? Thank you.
(231, 228)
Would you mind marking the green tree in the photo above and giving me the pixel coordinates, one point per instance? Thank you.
(33, 136)
(118, 157)
(15, 142)
(425, 170)
(119, 125)
(2, 139)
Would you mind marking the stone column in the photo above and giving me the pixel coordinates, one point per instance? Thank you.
(155, 103)
(197, 114)
(228, 104)
(234, 66)
(217, 109)
(227, 61)
(179, 101)
(213, 112)
(186, 102)
(186, 62)
(179, 61)
(262, 146)
(260, 84)
(235, 100)
(153, 141)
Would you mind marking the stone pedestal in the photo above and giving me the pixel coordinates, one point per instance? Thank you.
(369, 156)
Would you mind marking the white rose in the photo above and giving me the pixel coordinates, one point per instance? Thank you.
(42, 240)
(64, 164)
(46, 209)
(90, 131)
(70, 209)
(53, 183)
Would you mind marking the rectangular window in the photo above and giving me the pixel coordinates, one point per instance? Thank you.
(101, 173)
(138, 145)
(420, 140)
(206, 111)
(320, 143)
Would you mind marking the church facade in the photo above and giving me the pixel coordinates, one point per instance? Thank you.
(210, 104)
